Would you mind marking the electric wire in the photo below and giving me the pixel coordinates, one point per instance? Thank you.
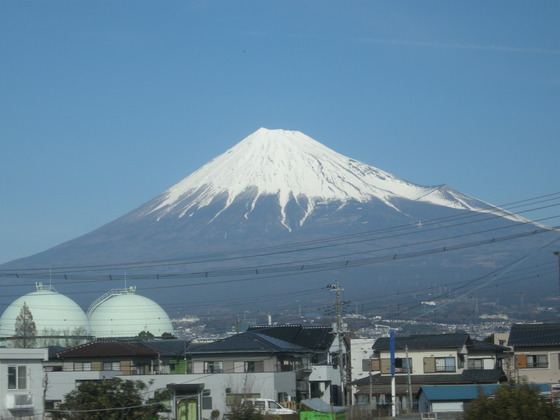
(322, 244)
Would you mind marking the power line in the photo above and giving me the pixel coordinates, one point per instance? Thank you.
(289, 248)
(281, 267)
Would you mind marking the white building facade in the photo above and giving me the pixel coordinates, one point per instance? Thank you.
(22, 381)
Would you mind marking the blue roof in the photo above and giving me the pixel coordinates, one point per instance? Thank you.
(463, 392)
(455, 392)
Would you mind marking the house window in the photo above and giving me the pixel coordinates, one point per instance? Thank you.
(213, 367)
(476, 364)
(402, 365)
(139, 368)
(207, 403)
(285, 366)
(254, 367)
(445, 364)
(537, 361)
(362, 399)
(111, 366)
(17, 377)
(81, 366)
(531, 361)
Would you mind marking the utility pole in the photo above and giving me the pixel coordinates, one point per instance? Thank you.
(393, 379)
(557, 253)
(409, 387)
(340, 332)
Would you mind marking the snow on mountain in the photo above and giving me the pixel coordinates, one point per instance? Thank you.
(283, 189)
(293, 166)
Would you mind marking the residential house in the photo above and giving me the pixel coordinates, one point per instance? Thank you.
(323, 358)
(427, 360)
(536, 349)
(285, 363)
(21, 382)
(159, 364)
(172, 354)
(483, 355)
(96, 360)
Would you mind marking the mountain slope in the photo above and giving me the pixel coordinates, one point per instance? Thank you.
(282, 190)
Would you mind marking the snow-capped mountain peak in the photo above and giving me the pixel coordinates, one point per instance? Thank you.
(292, 166)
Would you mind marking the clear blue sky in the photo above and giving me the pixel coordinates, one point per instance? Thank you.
(105, 104)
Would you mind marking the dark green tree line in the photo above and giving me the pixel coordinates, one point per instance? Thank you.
(513, 402)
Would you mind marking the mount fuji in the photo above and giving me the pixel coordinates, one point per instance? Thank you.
(280, 189)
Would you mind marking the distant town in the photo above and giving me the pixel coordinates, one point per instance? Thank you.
(478, 317)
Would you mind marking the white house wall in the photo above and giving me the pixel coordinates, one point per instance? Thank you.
(551, 374)
(489, 363)
(360, 350)
(60, 383)
(268, 385)
(33, 360)
(447, 406)
(327, 375)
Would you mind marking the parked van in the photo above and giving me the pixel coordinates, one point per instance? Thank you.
(266, 406)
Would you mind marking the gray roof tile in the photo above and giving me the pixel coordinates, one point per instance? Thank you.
(315, 338)
(105, 348)
(534, 335)
(247, 342)
(424, 341)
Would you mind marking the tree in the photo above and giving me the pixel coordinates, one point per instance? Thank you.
(513, 402)
(246, 412)
(25, 329)
(145, 336)
(109, 400)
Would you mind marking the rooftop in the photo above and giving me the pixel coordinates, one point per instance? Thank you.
(106, 348)
(535, 335)
(424, 341)
(315, 338)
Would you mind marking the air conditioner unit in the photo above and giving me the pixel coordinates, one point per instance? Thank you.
(19, 401)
